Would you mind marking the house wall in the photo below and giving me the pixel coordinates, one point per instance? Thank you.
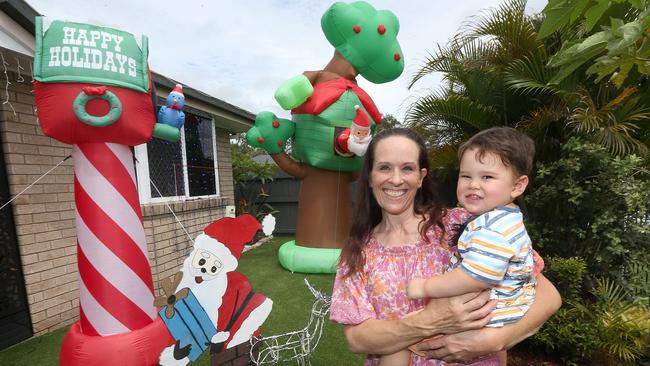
(44, 215)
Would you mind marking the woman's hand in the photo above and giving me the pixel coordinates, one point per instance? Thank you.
(468, 345)
(454, 314)
(461, 347)
(440, 316)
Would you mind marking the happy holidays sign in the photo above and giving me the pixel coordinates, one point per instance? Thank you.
(86, 53)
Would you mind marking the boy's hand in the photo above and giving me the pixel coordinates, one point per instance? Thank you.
(415, 289)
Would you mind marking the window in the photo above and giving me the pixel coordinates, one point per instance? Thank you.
(180, 170)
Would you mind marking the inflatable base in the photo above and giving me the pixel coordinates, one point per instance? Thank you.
(296, 258)
(140, 347)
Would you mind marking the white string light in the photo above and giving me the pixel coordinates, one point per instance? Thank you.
(20, 78)
(297, 345)
(6, 101)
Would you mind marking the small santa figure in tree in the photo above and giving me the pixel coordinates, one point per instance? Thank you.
(359, 133)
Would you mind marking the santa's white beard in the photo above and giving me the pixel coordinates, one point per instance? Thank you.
(358, 146)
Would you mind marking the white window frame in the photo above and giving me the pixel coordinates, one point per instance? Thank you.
(142, 172)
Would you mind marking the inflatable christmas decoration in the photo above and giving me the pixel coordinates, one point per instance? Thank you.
(93, 90)
(328, 132)
(172, 112)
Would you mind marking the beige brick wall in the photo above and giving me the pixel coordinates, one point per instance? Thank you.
(44, 215)
(224, 155)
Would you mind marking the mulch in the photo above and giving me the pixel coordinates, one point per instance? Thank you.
(520, 357)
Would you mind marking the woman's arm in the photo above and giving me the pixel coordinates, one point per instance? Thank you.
(440, 316)
(468, 345)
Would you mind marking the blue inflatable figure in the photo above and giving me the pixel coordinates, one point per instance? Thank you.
(172, 112)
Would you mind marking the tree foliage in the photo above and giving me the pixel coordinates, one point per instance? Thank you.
(249, 177)
(245, 168)
(612, 36)
(593, 205)
(575, 80)
(608, 330)
(498, 72)
(387, 121)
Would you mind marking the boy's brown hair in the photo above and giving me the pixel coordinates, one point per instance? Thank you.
(515, 149)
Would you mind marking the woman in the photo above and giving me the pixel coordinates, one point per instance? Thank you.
(400, 232)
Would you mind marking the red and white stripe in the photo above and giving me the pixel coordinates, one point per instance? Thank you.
(116, 290)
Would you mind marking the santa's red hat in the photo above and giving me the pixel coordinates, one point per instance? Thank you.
(361, 118)
(178, 89)
(234, 232)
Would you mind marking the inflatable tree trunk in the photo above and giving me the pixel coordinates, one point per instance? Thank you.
(324, 203)
(332, 119)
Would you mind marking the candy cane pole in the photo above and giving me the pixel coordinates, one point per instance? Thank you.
(115, 286)
(118, 322)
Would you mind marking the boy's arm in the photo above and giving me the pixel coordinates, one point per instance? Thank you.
(453, 283)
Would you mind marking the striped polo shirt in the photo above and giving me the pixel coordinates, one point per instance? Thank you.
(495, 248)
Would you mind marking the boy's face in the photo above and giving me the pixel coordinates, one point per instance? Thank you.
(485, 185)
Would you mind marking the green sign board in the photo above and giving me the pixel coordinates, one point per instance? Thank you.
(86, 53)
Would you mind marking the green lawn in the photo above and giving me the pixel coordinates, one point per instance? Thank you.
(291, 305)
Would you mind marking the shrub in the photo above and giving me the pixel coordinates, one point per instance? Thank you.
(249, 177)
(636, 278)
(610, 330)
(567, 336)
(245, 169)
(567, 275)
(592, 205)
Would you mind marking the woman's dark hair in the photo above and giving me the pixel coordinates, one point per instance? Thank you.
(367, 213)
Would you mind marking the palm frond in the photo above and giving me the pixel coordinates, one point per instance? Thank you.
(624, 325)
(508, 26)
(439, 61)
(538, 120)
(617, 140)
(620, 99)
(585, 117)
(530, 76)
(615, 124)
(610, 293)
(455, 115)
(453, 57)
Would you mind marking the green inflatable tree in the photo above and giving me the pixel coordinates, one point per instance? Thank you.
(331, 116)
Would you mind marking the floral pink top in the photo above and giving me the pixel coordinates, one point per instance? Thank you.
(378, 291)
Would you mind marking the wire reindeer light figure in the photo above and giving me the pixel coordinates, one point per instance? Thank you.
(297, 345)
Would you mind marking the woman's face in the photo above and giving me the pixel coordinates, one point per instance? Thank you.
(396, 175)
